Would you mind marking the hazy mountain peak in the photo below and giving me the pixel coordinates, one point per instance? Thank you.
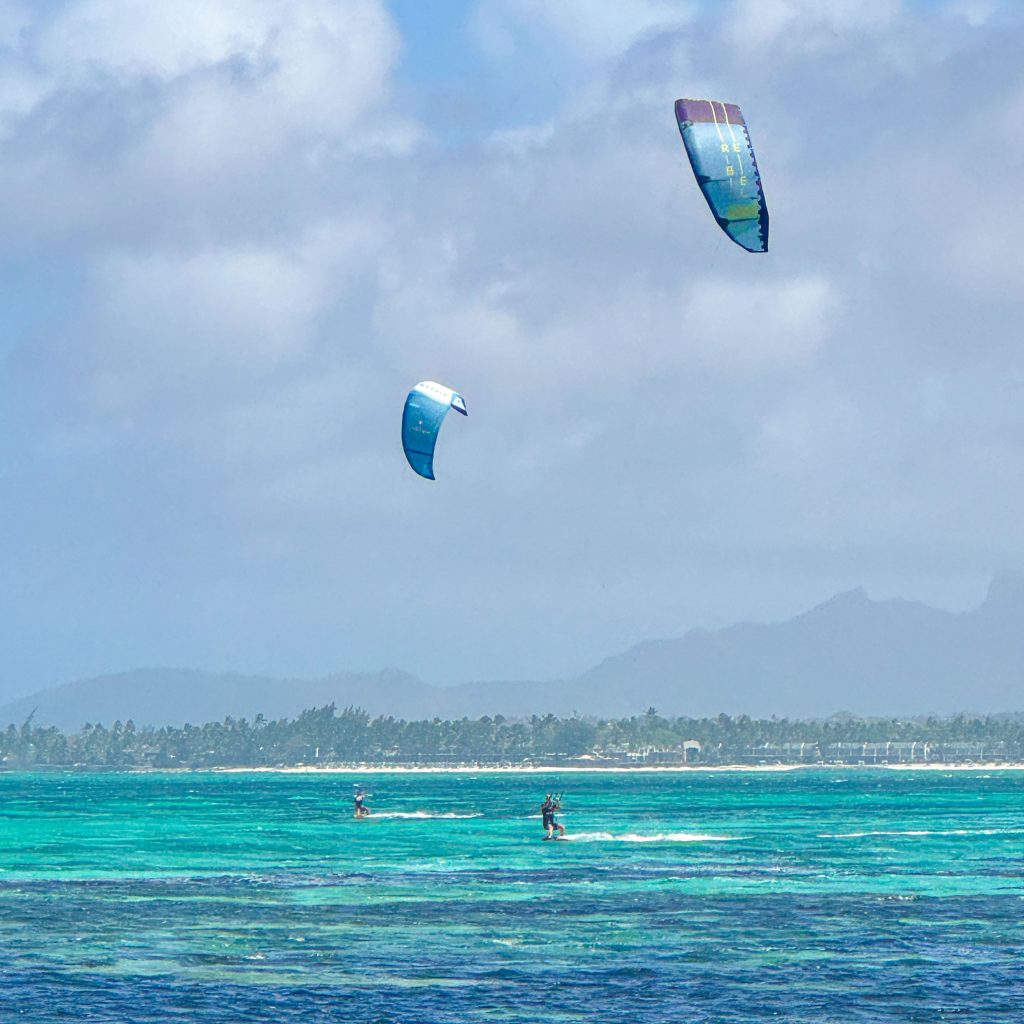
(840, 604)
(873, 657)
(1005, 590)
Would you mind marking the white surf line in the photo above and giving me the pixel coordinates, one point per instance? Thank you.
(918, 832)
(657, 837)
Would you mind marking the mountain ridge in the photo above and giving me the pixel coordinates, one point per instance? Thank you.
(891, 656)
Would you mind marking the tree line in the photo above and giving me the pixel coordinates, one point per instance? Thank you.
(326, 735)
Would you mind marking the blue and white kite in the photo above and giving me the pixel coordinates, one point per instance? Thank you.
(425, 409)
(718, 145)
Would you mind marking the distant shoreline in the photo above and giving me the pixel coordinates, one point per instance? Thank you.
(370, 768)
(466, 769)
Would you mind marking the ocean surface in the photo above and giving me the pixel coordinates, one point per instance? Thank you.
(837, 895)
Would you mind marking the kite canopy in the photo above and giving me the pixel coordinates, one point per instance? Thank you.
(425, 409)
(718, 145)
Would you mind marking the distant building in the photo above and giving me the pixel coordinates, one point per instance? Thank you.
(870, 752)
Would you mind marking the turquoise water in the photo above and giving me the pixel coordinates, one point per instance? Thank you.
(847, 896)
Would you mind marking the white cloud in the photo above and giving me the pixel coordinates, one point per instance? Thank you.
(172, 342)
(595, 31)
(316, 61)
(88, 39)
(746, 325)
(974, 12)
(249, 307)
(183, 94)
(807, 25)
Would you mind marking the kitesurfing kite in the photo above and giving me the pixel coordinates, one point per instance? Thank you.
(425, 409)
(718, 145)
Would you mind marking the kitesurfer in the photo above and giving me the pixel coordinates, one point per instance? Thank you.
(547, 809)
(361, 809)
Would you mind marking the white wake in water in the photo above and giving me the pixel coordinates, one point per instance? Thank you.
(926, 832)
(657, 837)
(423, 815)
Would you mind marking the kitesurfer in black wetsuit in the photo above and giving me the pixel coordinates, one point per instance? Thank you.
(547, 809)
(361, 809)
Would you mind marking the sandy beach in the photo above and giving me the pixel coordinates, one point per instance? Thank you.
(339, 769)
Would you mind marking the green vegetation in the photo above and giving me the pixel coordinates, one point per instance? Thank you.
(326, 736)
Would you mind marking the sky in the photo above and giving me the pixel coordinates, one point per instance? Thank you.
(235, 232)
